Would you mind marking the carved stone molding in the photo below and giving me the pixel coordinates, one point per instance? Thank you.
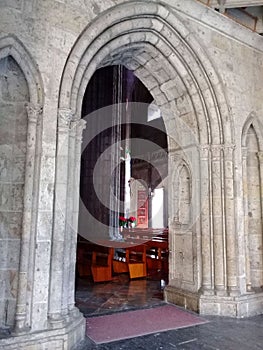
(65, 117)
(216, 152)
(204, 151)
(33, 112)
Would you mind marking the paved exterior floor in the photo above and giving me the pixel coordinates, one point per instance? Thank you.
(219, 333)
(122, 295)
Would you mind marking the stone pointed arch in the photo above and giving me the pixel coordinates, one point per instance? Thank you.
(253, 120)
(252, 169)
(182, 172)
(161, 32)
(11, 46)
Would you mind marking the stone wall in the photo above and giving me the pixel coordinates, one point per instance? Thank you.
(204, 72)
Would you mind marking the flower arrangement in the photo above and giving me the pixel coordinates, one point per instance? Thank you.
(132, 219)
(122, 221)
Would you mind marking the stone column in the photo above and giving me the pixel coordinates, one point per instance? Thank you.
(34, 112)
(219, 240)
(206, 225)
(245, 191)
(77, 128)
(57, 308)
(260, 158)
(230, 221)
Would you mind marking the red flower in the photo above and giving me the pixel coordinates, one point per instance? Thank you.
(132, 219)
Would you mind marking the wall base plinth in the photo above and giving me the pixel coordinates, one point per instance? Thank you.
(188, 300)
(65, 338)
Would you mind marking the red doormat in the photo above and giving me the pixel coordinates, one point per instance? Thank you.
(130, 324)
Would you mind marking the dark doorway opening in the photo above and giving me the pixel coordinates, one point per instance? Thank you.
(106, 290)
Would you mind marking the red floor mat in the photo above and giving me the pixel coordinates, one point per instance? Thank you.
(130, 324)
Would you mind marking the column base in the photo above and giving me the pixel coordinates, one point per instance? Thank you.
(205, 303)
(232, 306)
(60, 338)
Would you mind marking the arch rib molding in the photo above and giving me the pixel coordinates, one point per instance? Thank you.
(12, 46)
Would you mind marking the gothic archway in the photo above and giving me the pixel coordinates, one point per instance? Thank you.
(154, 43)
(26, 147)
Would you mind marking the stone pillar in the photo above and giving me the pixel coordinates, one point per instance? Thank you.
(59, 255)
(206, 225)
(260, 158)
(231, 255)
(22, 309)
(76, 132)
(218, 242)
(245, 191)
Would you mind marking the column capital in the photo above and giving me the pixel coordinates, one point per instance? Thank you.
(204, 151)
(228, 151)
(216, 151)
(33, 111)
(65, 116)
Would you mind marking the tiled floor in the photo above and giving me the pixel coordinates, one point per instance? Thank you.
(118, 295)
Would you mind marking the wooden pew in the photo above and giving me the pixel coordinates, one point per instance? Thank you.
(132, 261)
(101, 266)
(136, 260)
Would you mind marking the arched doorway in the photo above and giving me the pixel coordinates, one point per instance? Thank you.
(185, 86)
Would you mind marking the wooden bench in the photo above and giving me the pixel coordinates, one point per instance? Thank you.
(132, 261)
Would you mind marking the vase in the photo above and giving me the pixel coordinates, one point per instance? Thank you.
(133, 224)
(121, 228)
